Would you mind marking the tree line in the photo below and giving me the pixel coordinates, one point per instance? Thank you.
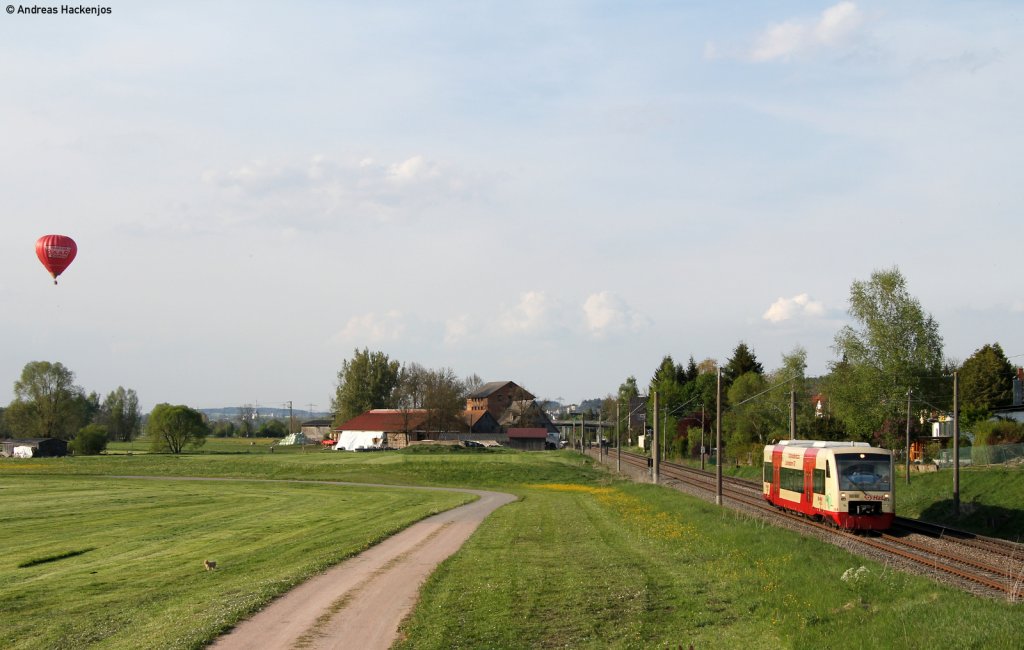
(49, 404)
(891, 354)
(373, 380)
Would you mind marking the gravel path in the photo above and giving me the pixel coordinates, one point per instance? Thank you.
(361, 602)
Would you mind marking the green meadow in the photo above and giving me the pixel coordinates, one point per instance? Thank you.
(582, 560)
(118, 563)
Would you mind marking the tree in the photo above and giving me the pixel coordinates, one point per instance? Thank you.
(986, 381)
(90, 441)
(895, 347)
(444, 397)
(172, 428)
(472, 382)
(630, 405)
(365, 382)
(740, 363)
(120, 414)
(47, 403)
(272, 429)
(754, 417)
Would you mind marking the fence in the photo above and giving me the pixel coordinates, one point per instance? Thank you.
(983, 455)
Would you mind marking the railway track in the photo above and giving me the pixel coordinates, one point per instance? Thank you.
(984, 565)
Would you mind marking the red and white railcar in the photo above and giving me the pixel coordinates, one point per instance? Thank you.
(846, 483)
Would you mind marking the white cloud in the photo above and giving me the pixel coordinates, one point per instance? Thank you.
(456, 329)
(532, 314)
(605, 313)
(372, 328)
(321, 191)
(785, 309)
(794, 37)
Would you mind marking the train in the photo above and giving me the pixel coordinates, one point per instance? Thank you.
(845, 484)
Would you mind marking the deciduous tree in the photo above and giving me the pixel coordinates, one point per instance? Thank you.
(120, 414)
(172, 428)
(47, 403)
(365, 382)
(894, 347)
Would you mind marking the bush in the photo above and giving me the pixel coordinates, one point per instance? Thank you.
(91, 440)
(998, 432)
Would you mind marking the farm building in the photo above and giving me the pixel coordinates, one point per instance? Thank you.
(528, 439)
(391, 428)
(496, 396)
(40, 447)
(526, 414)
(317, 429)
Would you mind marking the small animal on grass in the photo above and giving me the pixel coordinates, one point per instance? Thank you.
(210, 564)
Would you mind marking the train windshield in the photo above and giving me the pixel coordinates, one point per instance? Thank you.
(864, 472)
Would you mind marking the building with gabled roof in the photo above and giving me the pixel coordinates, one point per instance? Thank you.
(495, 397)
(395, 428)
(528, 438)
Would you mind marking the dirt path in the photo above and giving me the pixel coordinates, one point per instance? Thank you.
(360, 602)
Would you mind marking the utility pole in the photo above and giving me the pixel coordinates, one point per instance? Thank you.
(718, 439)
(618, 441)
(655, 459)
(792, 415)
(956, 444)
(909, 391)
(702, 450)
(291, 418)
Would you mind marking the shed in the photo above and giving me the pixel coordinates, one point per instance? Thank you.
(41, 447)
(528, 439)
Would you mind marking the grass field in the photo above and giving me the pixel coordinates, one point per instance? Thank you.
(118, 563)
(634, 566)
(582, 560)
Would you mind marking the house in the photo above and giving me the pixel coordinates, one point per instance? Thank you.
(377, 428)
(528, 438)
(526, 413)
(481, 422)
(39, 447)
(495, 397)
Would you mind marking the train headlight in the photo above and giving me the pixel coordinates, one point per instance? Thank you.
(843, 496)
(887, 497)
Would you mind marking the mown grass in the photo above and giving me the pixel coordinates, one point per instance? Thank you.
(117, 563)
(468, 468)
(637, 566)
(582, 560)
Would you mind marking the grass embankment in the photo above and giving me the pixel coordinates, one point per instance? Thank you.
(635, 566)
(119, 563)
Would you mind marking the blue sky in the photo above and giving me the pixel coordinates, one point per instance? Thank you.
(558, 193)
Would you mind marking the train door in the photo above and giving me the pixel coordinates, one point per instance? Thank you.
(810, 459)
(776, 471)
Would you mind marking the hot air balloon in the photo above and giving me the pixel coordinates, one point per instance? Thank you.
(56, 252)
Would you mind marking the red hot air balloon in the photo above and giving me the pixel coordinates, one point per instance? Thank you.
(56, 252)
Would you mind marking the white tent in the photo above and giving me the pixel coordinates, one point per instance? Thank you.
(356, 440)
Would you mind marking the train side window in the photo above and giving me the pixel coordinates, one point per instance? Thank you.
(828, 470)
(767, 472)
(819, 481)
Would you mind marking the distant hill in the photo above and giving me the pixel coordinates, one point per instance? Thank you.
(262, 413)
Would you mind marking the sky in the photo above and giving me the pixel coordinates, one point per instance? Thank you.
(556, 193)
